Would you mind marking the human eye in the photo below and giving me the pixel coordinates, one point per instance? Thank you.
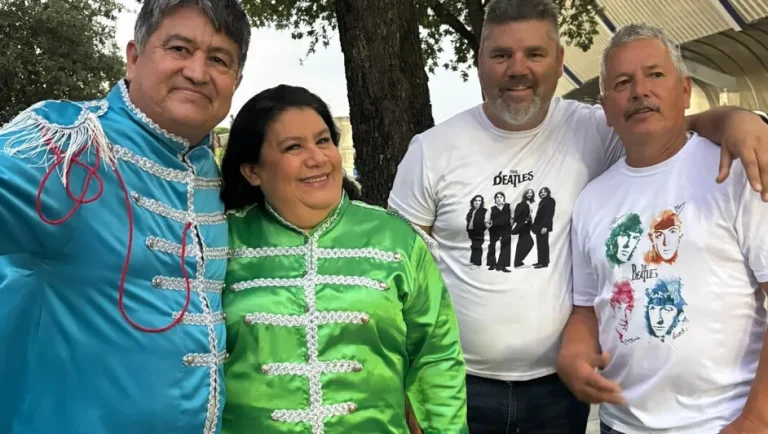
(621, 84)
(220, 61)
(179, 49)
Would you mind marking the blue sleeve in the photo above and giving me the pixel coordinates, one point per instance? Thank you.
(23, 230)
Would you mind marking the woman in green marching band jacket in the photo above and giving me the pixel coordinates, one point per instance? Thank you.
(335, 309)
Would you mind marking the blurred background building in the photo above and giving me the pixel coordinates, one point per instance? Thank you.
(724, 44)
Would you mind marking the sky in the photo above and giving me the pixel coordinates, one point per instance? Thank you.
(274, 58)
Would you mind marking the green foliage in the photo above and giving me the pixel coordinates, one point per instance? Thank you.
(56, 49)
(312, 19)
(440, 21)
(221, 130)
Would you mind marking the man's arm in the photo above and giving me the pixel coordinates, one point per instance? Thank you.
(581, 334)
(25, 200)
(752, 235)
(757, 404)
(580, 358)
(412, 194)
(754, 417)
(742, 135)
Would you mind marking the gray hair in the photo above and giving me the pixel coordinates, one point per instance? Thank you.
(634, 32)
(507, 11)
(226, 16)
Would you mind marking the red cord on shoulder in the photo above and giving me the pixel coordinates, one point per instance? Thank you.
(92, 173)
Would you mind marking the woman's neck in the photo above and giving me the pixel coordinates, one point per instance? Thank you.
(304, 218)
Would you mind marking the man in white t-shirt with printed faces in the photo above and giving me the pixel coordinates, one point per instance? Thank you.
(510, 279)
(669, 267)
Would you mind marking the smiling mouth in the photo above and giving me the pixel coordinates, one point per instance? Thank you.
(520, 88)
(193, 92)
(315, 179)
(642, 111)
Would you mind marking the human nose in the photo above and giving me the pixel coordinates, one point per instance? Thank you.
(196, 68)
(517, 65)
(316, 157)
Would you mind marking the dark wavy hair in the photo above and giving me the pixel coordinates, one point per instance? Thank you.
(247, 135)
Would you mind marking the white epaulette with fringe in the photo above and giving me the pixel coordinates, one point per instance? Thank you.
(30, 133)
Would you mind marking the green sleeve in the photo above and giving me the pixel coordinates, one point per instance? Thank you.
(436, 379)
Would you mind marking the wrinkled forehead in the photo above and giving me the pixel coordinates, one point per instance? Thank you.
(641, 53)
(191, 25)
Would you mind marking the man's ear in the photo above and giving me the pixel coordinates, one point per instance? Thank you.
(601, 101)
(251, 175)
(687, 85)
(132, 57)
(560, 60)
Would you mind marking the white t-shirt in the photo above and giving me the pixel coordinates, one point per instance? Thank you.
(671, 262)
(510, 319)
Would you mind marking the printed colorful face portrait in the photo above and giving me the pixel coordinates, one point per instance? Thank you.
(623, 239)
(665, 312)
(665, 235)
(622, 304)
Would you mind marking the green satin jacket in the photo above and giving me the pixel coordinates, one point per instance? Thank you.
(328, 331)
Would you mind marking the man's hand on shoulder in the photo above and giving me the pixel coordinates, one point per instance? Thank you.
(745, 137)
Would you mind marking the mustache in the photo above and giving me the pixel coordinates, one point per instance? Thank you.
(639, 106)
(522, 80)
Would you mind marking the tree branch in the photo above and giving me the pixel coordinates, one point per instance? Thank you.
(476, 10)
(454, 23)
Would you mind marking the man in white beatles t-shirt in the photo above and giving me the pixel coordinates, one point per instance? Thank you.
(684, 358)
(512, 307)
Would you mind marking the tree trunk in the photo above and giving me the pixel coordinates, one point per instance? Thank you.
(386, 87)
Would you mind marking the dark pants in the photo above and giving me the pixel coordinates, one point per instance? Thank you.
(524, 247)
(542, 246)
(476, 257)
(540, 406)
(605, 429)
(505, 253)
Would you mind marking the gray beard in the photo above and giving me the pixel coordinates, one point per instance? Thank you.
(517, 114)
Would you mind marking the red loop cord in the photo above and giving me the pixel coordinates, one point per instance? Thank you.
(92, 173)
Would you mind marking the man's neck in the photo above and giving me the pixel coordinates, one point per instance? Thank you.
(194, 138)
(646, 151)
(501, 124)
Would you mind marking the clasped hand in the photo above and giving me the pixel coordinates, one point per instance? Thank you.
(581, 373)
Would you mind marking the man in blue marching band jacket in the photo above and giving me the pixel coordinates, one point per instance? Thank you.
(114, 241)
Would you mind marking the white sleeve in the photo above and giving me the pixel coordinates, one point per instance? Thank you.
(412, 194)
(584, 278)
(752, 228)
(612, 146)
